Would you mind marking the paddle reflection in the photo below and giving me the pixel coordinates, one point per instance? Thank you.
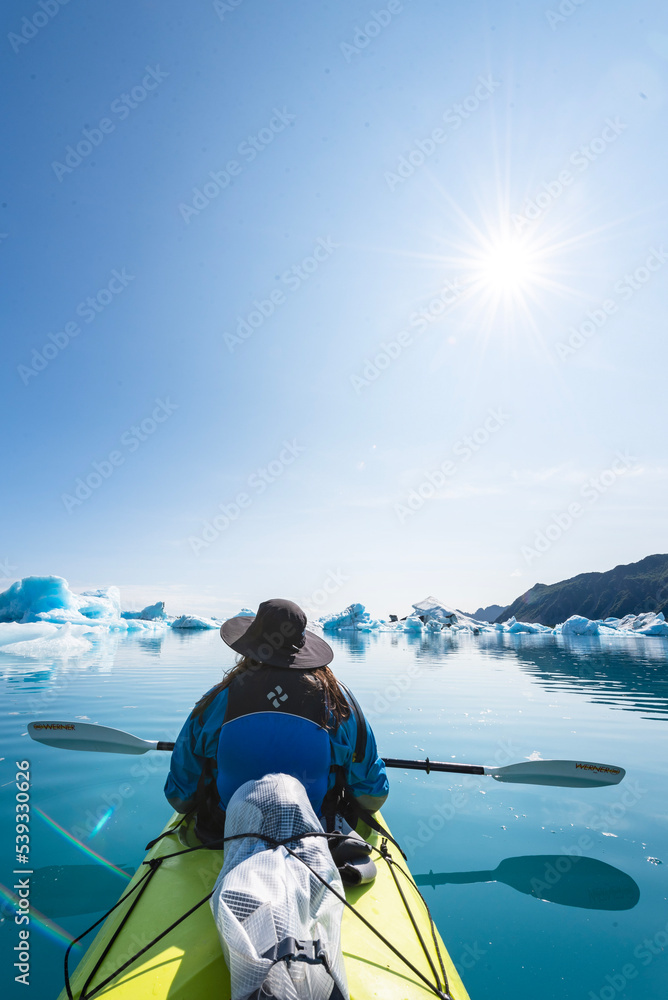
(556, 878)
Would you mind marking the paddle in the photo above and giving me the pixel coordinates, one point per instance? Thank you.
(571, 880)
(567, 773)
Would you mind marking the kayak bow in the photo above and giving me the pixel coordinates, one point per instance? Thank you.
(187, 963)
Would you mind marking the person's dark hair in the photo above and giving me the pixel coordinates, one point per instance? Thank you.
(335, 705)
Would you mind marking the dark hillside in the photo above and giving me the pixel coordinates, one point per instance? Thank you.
(632, 589)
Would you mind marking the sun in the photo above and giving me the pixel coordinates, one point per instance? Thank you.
(506, 267)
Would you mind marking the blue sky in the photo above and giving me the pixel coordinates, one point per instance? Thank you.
(499, 166)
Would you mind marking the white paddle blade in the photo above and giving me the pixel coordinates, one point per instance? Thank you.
(84, 736)
(567, 773)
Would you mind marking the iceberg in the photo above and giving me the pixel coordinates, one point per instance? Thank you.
(12, 632)
(49, 599)
(355, 618)
(64, 641)
(413, 624)
(647, 624)
(655, 628)
(154, 612)
(531, 628)
(33, 608)
(431, 609)
(194, 621)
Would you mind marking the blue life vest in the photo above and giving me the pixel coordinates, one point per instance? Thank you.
(273, 724)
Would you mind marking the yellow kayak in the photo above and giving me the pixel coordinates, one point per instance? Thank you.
(187, 963)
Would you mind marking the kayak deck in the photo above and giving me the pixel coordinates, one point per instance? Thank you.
(188, 964)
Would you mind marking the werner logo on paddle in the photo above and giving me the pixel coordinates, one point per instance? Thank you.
(53, 725)
(598, 767)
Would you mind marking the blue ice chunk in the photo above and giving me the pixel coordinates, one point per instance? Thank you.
(194, 621)
(151, 613)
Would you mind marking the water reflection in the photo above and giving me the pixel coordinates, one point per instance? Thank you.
(150, 642)
(623, 672)
(40, 683)
(354, 644)
(557, 878)
(626, 678)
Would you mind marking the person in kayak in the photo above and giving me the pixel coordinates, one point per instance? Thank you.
(279, 710)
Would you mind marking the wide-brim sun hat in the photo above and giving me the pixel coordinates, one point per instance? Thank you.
(277, 636)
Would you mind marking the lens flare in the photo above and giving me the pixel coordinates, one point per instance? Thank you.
(98, 826)
(51, 930)
(82, 847)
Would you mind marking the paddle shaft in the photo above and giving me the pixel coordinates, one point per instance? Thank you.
(412, 765)
(432, 765)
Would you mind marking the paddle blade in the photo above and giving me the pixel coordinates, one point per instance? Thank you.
(567, 773)
(84, 736)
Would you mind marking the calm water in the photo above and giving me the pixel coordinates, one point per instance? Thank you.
(479, 847)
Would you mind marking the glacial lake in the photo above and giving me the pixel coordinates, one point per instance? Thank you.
(538, 891)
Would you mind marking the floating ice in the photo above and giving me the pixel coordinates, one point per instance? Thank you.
(49, 599)
(578, 625)
(154, 612)
(355, 618)
(531, 627)
(64, 641)
(32, 608)
(194, 621)
(439, 618)
(12, 632)
(431, 609)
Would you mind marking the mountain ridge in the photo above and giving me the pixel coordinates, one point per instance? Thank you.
(630, 588)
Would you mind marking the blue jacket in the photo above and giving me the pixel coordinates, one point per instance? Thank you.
(198, 741)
